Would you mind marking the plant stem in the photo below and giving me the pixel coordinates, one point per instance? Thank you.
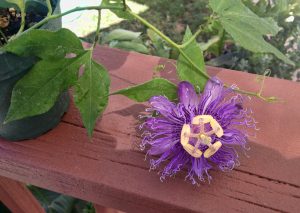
(146, 23)
(48, 18)
(49, 8)
(23, 16)
(200, 29)
(167, 39)
(180, 47)
(243, 91)
(97, 35)
(258, 94)
(192, 38)
(204, 74)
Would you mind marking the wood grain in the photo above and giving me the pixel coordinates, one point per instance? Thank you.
(111, 172)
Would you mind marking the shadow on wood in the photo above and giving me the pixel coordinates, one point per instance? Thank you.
(110, 172)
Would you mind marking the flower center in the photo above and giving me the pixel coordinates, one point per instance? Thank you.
(203, 137)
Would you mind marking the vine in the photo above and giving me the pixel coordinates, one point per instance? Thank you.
(91, 93)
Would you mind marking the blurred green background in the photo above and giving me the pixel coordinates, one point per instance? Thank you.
(172, 17)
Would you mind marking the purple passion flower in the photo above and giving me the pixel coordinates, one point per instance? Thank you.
(198, 132)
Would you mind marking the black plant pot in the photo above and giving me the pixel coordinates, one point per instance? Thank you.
(12, 69)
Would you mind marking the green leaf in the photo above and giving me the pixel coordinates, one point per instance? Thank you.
(45, 44)
(121, 35)
(119, 13)
(130, 46)
(38, 90)
(91, 93)
(5, 4)
(143, 92)
(19, 3)
(62, 204)
(52, 201)
(246, 28)
(185, 70)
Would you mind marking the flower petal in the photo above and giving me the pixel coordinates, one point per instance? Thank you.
(187, 94)
(212, 95)
(162, 145)
(166, 108)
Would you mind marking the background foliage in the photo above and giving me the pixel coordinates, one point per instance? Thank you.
(219, 47)
(54, 202)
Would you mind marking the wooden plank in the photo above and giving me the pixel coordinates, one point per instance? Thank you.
(111, 172)
(102, 209)
(17, 197)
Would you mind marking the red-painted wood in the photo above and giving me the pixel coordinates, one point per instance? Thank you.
(102, 209)
(109, 171)
(17, 197)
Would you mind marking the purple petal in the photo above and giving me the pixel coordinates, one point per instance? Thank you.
(163, 131)
(187, 94)
(166, 108)
(162, 145)
(212, 95)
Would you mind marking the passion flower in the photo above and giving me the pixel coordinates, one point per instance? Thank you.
(197, 132)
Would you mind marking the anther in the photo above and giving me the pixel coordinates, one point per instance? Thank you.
(202, 137)
(212, 149)
(184, 140)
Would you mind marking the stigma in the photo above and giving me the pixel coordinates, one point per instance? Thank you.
(202, 136)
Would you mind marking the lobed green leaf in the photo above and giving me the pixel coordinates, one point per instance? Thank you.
(246, 28)
(185, 70)
(143, 92)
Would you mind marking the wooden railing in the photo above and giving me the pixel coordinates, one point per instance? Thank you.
(110, 171)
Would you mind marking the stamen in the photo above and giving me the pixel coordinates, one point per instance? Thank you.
(184, 140)
(212, 149)
(202, 137)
